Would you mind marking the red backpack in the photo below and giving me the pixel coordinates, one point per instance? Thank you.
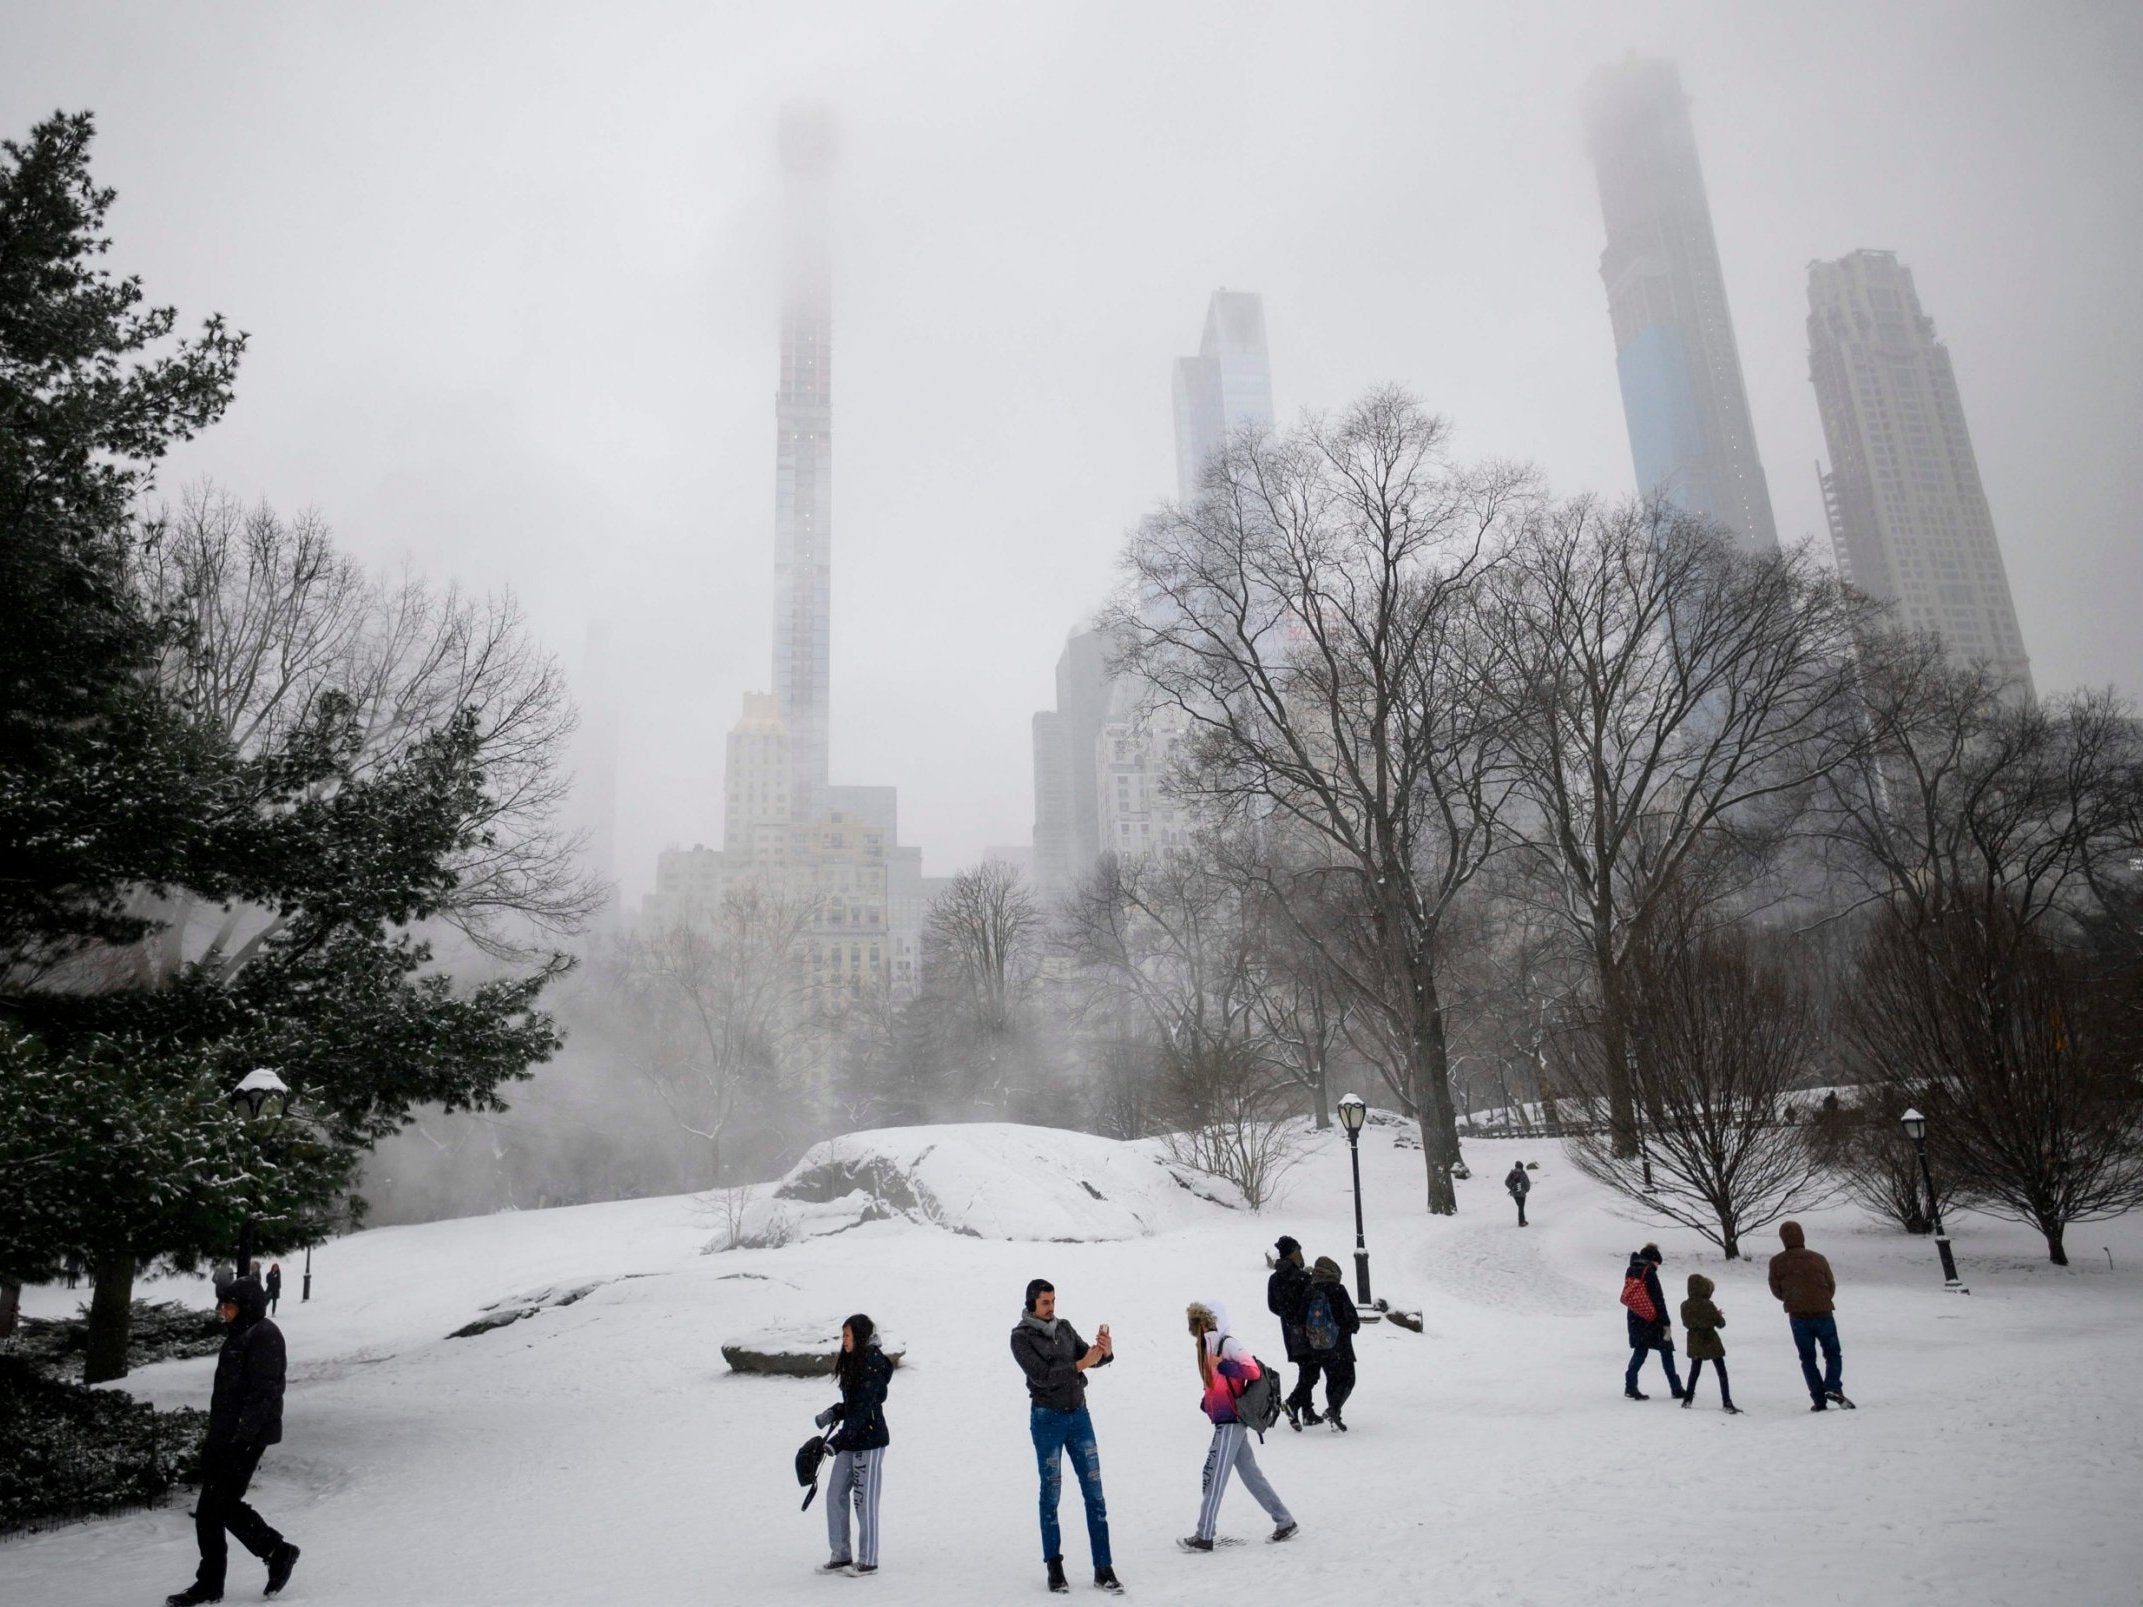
(1638, 1298)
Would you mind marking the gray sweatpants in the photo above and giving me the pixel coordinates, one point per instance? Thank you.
(856, 1475)
(1231, 1453)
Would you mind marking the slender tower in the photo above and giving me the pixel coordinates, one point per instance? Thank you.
(1682, 394)
(1227, 385)
(803, 458)
(1908, 516)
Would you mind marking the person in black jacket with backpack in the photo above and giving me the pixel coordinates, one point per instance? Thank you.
(858, 1445)
(245, 1417)
(1285, 1292)
(1651, 1328)
(1329, 1324)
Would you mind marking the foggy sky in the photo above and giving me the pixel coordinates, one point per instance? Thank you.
(511, 276)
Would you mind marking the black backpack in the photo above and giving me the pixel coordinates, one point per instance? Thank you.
(1258, 1406)
(808, 1457)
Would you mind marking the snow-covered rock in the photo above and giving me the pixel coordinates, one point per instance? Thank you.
(992, 1180)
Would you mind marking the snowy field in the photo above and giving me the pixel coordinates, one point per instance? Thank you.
(601, 1452)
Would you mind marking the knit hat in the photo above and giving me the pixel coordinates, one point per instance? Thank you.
(1325, 1271)
(1287, 1246)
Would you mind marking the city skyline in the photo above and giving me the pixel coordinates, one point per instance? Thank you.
(526, 339)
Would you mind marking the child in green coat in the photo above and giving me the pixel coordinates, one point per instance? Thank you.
(1703, 1320)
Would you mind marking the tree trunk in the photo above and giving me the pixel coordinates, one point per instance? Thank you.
(1321, 1096)
(2054, 1250)
(111, 1310)
(1432, 1096)
(1614, 1051)
(10, 1308)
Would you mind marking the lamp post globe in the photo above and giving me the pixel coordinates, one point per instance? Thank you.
(259, 1093)
(1915, 1125)
(1352, 1113)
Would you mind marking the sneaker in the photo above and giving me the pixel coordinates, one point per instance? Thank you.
(835, 1565)
(1635, 1395)
(1286, 1531)
(1057, 1582)
(192, 1595)
(1309, 1415)
(1294, 1415)
(1837, 1398)
(1679, 1393)
(1193, 1542)
(1332, 1416)
(1820, 1406)
(866, 1568)
(1689, 1399)
(1729, 1406)
(1105, 1579)
(280, 1562)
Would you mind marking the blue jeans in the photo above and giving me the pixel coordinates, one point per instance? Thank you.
(1055, 1432)
(1808, 1333)
(1666, 1360)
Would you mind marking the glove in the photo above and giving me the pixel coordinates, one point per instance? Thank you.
(830, 1416)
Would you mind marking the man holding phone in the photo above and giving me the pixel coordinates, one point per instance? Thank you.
(1056, 1360)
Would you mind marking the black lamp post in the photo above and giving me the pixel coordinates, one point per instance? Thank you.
(1916, 1130)
(260, 1093)
(1352, 1113)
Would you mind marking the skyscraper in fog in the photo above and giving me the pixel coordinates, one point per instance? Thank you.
(1227, 385)
(1682, 393)
(803, 458)
(1907, 514)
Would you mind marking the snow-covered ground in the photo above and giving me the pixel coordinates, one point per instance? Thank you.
(601, 1452)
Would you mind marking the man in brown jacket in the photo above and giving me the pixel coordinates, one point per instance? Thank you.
(1802, 1281)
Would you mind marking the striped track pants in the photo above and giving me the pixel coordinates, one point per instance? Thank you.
(1231, 1453)
(857, 1475)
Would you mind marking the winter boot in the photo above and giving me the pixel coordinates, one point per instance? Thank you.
(1309, 1415)
(1729, 1406)
(1105, 1579)
(1820, 1406)
(191, 1596)
(1057, 1582)
(1837, 1398)
(280, 1562)
(1193, 1542)
(1689, 1398)
(1635, 1394)
(1294, 1415)
(1285, 1531)
(1331, 1415)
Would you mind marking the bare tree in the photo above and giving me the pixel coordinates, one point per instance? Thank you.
(1670, 703)
(725, 1003)
(2021, 1059)
(1311, 617)
(1719, 1034)
(982, 950)
(275, 618)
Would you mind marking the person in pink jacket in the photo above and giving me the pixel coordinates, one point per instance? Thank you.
(1225, 1368)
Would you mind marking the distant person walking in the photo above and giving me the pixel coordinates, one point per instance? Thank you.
(1519, 1186)
(1056, 1360)
(245, 1417)
(1645, 1304)
(1702, 1320)
(1330, 1304)
(275, 1285)
(1802, 1281)
(1225, 1369)
(858, 1444)
(74, 1268)
(1285, 1292)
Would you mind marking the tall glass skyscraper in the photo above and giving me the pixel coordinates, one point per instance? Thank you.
(1908, 516)
(1682, 393)
(1227, 385)
(803, 459)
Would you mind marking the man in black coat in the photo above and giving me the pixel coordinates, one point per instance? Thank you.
(245, 1417)
(1519, 1186)
(1285, 1292)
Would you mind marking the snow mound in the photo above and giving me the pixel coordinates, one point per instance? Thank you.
(989, 1180)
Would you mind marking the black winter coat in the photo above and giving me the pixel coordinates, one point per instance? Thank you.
(246, 1407)
(1344, 1317)
(1285, 1291)
(863, 1405)
(1656, 1332)
(1051, 1363)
